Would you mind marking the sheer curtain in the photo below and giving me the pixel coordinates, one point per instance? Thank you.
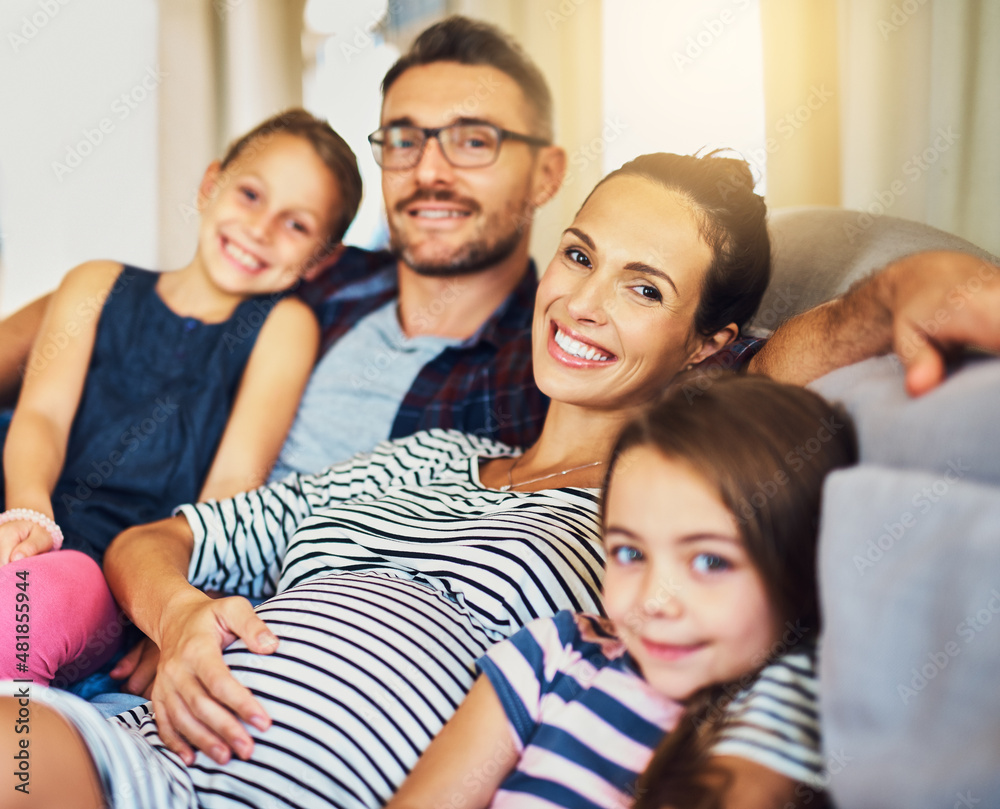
(965, 95)
(890, 107)
(917, 95)
(802, 101)
(919, 111)
(231, 63)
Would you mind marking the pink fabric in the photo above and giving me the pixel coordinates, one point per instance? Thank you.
(74, 624)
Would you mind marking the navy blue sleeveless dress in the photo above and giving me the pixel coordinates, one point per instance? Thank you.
(155, 403)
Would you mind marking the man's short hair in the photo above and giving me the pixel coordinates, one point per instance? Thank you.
(473, 42)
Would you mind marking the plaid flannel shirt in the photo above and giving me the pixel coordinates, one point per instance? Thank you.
(482, 386)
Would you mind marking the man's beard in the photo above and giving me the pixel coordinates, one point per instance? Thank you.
(474, 256)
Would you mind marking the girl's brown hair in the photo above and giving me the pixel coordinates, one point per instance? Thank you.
(328, 145)
(766, 448)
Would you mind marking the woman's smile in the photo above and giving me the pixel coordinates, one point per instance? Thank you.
(620, 297)
(570, 347)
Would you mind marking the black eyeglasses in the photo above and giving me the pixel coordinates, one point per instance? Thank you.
(465, 146)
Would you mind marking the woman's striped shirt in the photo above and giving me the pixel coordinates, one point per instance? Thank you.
(394, 573)
(416, 510)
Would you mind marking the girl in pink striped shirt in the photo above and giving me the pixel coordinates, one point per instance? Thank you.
(710, 521)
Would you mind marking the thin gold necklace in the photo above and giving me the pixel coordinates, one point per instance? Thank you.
(510, 474)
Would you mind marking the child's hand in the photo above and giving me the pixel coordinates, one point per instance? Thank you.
(139, 667)
(20, 539)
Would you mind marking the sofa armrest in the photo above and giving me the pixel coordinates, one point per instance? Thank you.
(818, 252)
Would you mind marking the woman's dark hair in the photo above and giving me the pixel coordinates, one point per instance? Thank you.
(766, 448)
(732, 220)
(473, 42)
(329, 147)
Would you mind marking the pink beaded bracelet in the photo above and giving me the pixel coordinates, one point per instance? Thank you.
(39, 519)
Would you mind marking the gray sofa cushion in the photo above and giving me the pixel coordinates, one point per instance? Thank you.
(818, 252)
(910, 589)
(909, 552)
(909, 545)
(953, 426)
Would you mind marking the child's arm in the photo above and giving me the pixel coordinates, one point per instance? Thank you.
(17, 333)
(743, 784)
(53, 384)
(273, 382)
(467, 761)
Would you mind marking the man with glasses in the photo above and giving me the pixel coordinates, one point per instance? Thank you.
(438, 334)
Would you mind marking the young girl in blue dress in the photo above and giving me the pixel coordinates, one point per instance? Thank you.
(710, 518)
(145, 390)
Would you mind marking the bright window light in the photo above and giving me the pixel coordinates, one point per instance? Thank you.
(344, 88)
(683, 75)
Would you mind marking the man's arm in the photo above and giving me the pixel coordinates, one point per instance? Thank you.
(922, 307)
(17, 335)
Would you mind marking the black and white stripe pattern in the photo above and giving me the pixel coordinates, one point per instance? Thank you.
(776, 721)
(395, 572)
(414, 508)
(368, 670)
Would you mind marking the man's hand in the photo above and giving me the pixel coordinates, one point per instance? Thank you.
(923, 307)
(941, 301)
(197, 700)
(139, 667)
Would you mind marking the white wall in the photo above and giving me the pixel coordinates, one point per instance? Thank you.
(68, 190)
(680, 76)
